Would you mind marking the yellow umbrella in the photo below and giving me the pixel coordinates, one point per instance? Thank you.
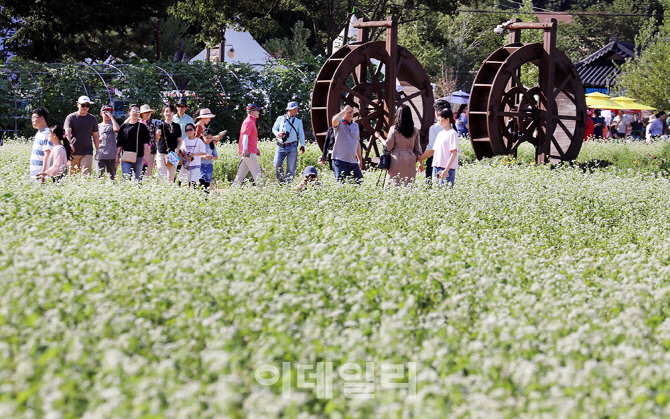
(597, 95)
(602, 103)
(631, 104)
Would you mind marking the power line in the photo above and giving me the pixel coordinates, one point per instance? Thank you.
(561, 13)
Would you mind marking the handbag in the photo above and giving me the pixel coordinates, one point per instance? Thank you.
(384, 160)
(131, 156)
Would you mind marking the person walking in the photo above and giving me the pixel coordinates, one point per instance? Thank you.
(203, 118)
(248, 147)
(347, 156)
(207, 161)
(182, 118)
(170, 142)
(192, 149)
(81, 129)
(60, 155)
(289, 130)
(462, 121)
(107, 130)
(404, 146)
(652, 118)
(42, 146)
(435, 129)
(155, 133)
(133, 138)
(445, 158)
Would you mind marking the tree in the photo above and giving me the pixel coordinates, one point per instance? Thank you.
(293, 49)
(48, 31)
(327, 18)
(453, 47)
(589, 32)
(645, 79)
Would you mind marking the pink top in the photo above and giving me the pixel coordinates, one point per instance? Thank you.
(249, 128)
(58, 161)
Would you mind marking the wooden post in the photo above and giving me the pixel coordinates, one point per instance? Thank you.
(515, 34)
(547, 75)
(390, 77)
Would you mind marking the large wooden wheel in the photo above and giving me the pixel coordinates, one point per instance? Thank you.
(503, 113)
(350, 76)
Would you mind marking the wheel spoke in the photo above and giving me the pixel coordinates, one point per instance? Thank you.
(560, 88)
(516, 114)
(566, 117)
(527, 134)
(410, 97)
(358, 95)
(376, 85)
(529, 97)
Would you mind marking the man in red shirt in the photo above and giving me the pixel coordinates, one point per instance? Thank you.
(248, 147)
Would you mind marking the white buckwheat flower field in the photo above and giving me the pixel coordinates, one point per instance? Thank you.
(523, 292)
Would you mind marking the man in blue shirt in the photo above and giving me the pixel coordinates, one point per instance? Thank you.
(289, 130)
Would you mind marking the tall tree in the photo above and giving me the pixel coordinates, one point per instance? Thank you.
(645, 79)
(50, 31)
(327, 17)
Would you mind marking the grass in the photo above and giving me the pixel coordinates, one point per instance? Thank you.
(522, 292)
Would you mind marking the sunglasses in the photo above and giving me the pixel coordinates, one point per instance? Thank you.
(189, 129)
(311, 176)
(85, 105)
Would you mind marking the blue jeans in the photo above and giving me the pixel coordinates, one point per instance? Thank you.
(290, 153)
(343, 170)
(127, 167)
(451, 177)
(206, 172)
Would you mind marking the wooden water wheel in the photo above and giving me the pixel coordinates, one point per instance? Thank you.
(503, 113)
(353, 75)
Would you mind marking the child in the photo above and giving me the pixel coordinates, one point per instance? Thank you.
(60, 155)
(207, 163)
(310, 178)
(445, 156)
(192, 149)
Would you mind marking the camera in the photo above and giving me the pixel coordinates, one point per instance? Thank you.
(284, 135)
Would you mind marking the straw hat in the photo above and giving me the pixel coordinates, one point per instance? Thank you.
(146, 108)
(205, 113)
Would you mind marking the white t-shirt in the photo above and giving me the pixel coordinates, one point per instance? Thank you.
(432, 135)
(193, 146)
(444, 143)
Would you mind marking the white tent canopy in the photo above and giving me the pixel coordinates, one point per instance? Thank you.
(247, 49)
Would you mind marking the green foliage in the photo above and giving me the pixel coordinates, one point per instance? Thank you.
(522, 292)
(292, 49)
(174, 31)
(52, 32)
(459, 42)
(645, 79)
(589, 32)
(226, 89)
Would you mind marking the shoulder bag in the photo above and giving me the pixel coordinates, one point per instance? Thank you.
(384, 160)
(131, 156)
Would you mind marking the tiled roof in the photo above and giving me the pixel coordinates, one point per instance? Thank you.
(623, 49)
(598, 75)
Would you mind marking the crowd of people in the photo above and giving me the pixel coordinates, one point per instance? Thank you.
(626, 126)
(181, 148)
